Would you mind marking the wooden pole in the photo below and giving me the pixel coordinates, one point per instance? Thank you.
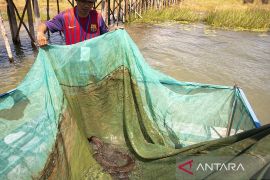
(48, 14)
(21, 19)
(21, 22)
(58, 8)
(103, 9)
(30, 21)
(4, 34)
(106, 17)
(125, 11)
(109, 12)
(36, 12)
(12, 21)
(113, 10)
(118, 13)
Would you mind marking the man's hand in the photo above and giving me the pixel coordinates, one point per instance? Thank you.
(42, 39)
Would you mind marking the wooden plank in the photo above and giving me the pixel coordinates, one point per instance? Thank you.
(12, 21)
(4, 34)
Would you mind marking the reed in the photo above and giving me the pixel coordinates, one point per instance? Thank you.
(254, 19)
(226, 14)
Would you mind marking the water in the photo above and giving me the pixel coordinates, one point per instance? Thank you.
(192, 53)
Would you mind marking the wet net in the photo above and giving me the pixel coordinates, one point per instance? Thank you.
(97, 110)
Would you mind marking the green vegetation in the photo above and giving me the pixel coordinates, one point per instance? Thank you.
(250, 19)
(227, 14)
(230, 14)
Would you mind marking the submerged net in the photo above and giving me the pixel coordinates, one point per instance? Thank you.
(142, 121)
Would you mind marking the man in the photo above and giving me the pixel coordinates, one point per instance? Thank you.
(78, 24)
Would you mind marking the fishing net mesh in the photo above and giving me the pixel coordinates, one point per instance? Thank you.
(103, 88)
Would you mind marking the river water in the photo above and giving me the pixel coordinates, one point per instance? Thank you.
(193, 53)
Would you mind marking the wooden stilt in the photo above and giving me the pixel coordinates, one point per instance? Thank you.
(113, 12)
(36, 12)
(12, 21)
(21, 19)
(48, 14)
(109, 11)
(30, 21)
(4, 34)
(21, 22)
(118, 12)
(103, 9)
(106, 17)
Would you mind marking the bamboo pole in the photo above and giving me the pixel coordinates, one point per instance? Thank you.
(4, 34)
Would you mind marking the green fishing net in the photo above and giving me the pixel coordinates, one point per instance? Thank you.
(103, 88)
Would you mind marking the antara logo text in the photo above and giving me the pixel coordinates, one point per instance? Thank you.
(187, 167)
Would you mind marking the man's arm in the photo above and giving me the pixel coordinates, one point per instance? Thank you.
(41, 37)
(54, 25)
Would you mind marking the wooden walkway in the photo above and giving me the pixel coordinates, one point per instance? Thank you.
(113, 12)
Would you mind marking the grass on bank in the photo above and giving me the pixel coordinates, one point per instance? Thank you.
(227, 14)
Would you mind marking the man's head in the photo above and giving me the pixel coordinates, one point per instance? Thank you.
(84, 6)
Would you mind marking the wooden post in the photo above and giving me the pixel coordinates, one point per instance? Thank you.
(30, 20)
(109, 12)
(4, 34)
(113, 12)
(135, 8)
(103, 9)
(118, 13)
(58, 8)
(106, 17)
(36, 12)
(21, 19)
(48, 14)
(12, 21)
(124, 11)
(140, 7)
